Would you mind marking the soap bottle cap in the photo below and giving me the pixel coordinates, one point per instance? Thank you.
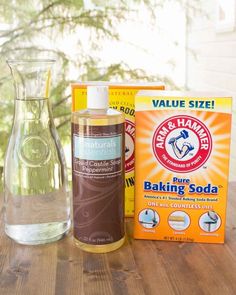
(97, 97)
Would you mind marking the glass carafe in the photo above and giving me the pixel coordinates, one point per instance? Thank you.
(36, 198)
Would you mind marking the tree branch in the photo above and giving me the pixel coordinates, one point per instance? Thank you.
(55, 105)
(63, 123)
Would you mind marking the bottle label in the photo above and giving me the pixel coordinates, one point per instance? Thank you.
(98, 183)
(92, 148)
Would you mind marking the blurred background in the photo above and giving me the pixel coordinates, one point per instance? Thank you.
(187, 44)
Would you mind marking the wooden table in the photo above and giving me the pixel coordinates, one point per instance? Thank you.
(139, 267)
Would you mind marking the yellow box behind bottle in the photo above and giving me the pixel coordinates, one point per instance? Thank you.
(121, 97)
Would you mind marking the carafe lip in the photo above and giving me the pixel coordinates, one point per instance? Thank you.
(30, 61)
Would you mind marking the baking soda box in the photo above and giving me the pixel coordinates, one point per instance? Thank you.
(182, 152)
(121, 97)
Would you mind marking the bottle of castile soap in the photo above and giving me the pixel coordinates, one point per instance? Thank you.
(98, 174)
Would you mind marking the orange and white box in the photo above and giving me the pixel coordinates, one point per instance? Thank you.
(121, 97)
(182, 151)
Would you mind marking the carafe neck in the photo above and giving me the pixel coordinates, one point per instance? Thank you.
(32, 78)
(34, 109)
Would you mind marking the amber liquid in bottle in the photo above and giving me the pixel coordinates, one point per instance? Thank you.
(98, 179)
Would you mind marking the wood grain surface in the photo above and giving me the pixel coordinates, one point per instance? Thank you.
(139, 267)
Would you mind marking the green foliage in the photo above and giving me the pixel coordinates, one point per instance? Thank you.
(33, 30)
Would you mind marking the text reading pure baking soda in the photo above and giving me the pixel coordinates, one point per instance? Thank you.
(179, 187)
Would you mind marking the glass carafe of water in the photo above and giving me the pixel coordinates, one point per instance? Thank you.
(36, 199)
